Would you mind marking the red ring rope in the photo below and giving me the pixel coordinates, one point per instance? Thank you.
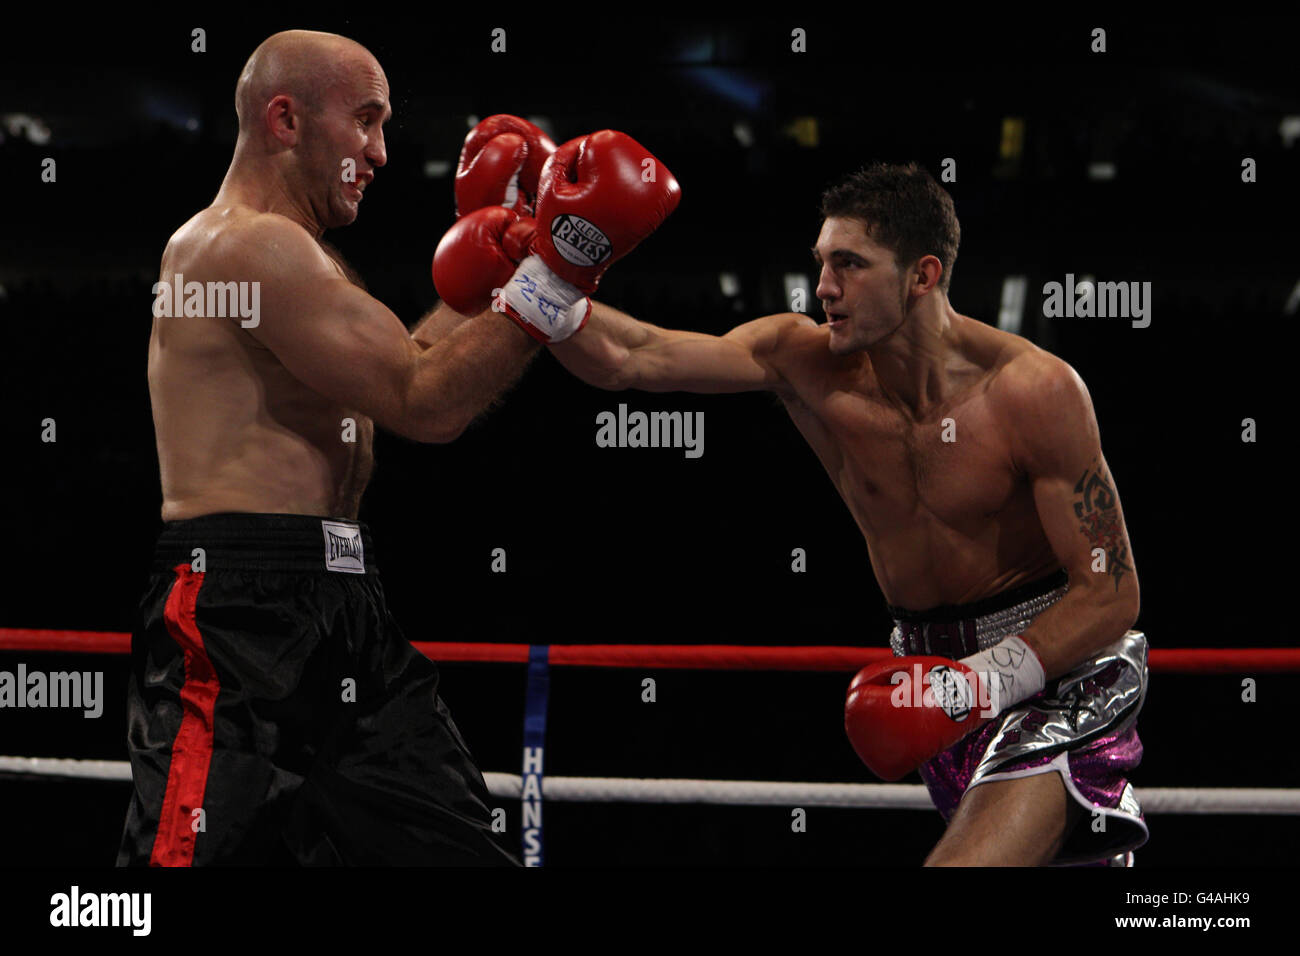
(1170, 660)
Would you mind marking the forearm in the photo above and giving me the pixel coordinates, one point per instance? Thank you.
(462, 373)
(1079, 625)
(603, 352)
(437, 324)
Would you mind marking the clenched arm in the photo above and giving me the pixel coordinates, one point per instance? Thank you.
(348, 346)
(1057, 443)
(615, 351)
(437, 324)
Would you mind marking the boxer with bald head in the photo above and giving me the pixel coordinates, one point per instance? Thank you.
(277, 714)
(249, 413)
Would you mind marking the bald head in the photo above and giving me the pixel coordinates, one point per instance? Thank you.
(303, 64)
(312, 109)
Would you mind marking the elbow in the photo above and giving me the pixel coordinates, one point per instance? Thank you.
(432, 429)
(430, 421)
(441, 431)
(1125, 603)
(1113, 608)
(1132, 604)
(1128, 593)
(448, 435)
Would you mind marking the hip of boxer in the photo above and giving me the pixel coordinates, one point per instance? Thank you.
(277, 715)
(272, 543)
(1082, 725)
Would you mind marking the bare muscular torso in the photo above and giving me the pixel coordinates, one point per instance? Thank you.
(236, 431)
(946, 522)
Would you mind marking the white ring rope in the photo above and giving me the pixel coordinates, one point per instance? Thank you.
(879, 796)
(58, 767)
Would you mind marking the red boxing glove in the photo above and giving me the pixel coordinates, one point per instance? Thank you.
(478, 255)
(500, 165)
(599, 196)
(901, 712)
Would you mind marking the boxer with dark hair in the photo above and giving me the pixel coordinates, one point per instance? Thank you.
(971, 461)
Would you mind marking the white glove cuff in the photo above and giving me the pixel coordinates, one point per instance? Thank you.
(1010, 670)
(538, 296)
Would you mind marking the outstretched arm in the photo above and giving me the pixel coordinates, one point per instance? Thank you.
(615, 351)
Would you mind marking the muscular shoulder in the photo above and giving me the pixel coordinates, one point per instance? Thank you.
(782, 342)
(783, 339)
(1043, 403)
(236, 241)
(1028, 377)
(774, 333)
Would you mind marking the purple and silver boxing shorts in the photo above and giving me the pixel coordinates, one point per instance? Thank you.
(1083, 725)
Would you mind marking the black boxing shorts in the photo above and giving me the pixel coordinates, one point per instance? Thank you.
(277, 716)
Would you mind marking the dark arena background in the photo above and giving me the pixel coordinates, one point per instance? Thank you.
(1171, 157)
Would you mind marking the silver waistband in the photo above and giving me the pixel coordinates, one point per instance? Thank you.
(992, 628)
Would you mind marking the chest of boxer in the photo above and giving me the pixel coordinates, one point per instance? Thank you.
(937, 496)
(951, 463)
(315, 439)
(237, 431)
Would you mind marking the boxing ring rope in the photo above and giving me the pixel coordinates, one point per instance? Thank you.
(744, 793)
(1172, 800)
(1169, 660)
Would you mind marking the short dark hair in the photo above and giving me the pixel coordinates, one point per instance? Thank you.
(904, 210)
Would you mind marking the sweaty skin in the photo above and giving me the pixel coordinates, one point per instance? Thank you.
(236, 430)
(277, 416)
(1020, 490)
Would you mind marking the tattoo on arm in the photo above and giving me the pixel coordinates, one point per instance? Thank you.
(1097, 509)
